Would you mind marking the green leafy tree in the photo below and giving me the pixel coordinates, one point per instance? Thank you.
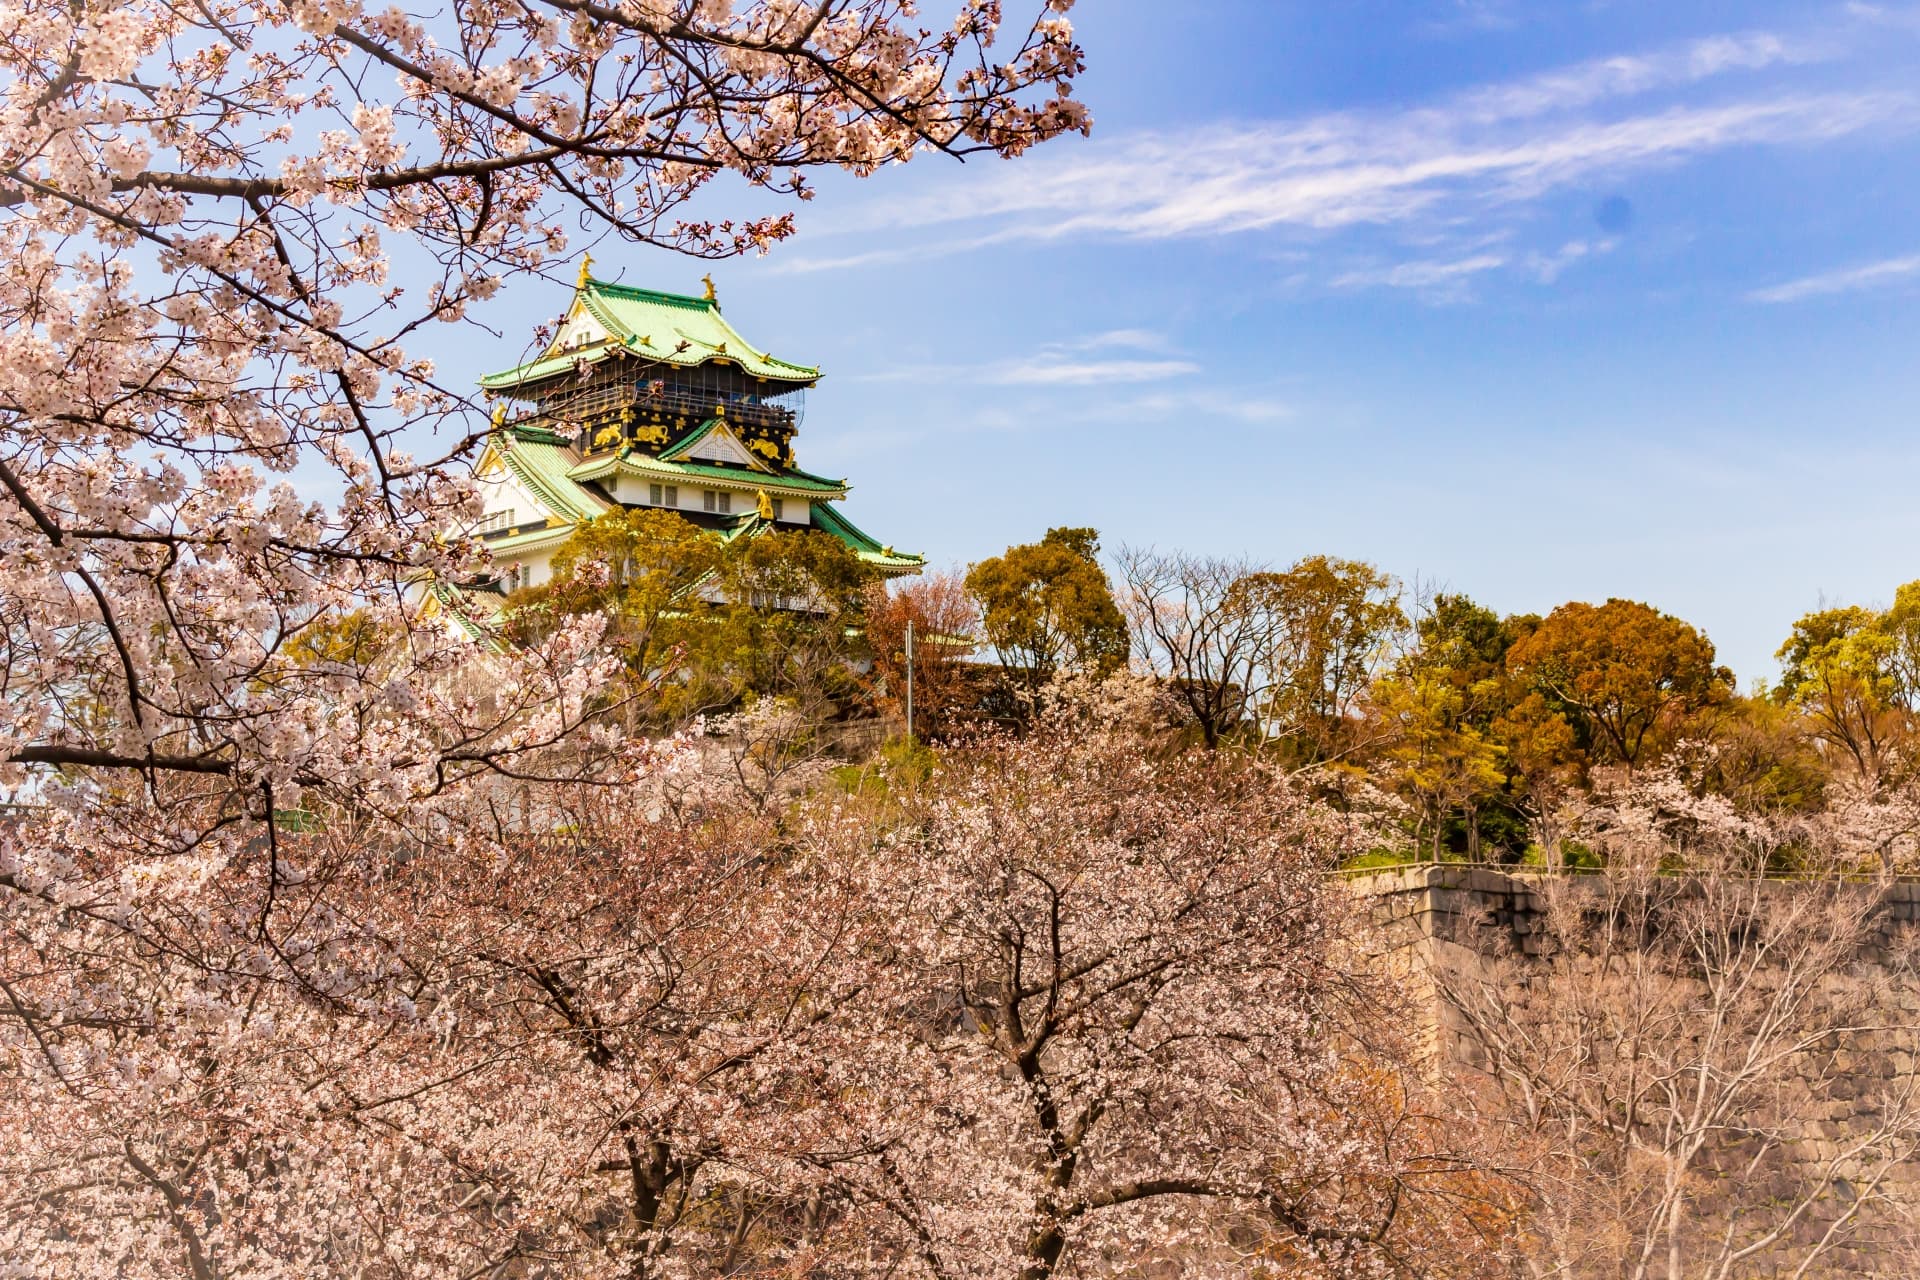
(703, 622)
(791, 613)
(1763, 759)
(1047, 607)
(639, 567)
(1439, 758)
(1902, 626)
(1466, 639)
(1439, 706)
(1544, 761)
(1853, 675)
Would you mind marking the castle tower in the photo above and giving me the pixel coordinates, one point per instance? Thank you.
(649, 399)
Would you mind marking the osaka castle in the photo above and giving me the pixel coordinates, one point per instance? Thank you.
(649, 399)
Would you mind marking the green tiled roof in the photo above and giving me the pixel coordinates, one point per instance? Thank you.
(453, 604)
(795, 473)
(538, 435)
(671, 328)
(529, 538)
(545, 367)
(542, 466)
(827, 520)
(641, 464)
(690, 439)
(830, 522)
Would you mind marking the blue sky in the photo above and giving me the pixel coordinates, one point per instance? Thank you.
(1535, 301)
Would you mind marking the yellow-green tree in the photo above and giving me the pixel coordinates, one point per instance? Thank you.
(1332, 626)
(1838, 671)
(703, 622)
(1853, 675)
(790, 609)
(1762, 758)
(1438, 757)
(1047, 607)
(639, 567)
(1543, 758)
(1438, 708)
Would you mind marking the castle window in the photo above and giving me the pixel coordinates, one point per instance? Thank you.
(779, 508)
(706, 497)
(653, 494)
(496, 521)
(666, 495)
(719, 502)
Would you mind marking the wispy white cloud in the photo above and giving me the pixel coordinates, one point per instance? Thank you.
(1587, 83)
(1327, 174)
(1898, 17)
(1426, 275)
(1244, 407)
(1071, 362)
(1451, 279)
(1138, 339)
(1501, 142)
(1847, 280)
(1547, 267)
(844, 261)
(1472, 15)
(1252, 407)
(1480, 157)
(884, 255)
(1053, 371)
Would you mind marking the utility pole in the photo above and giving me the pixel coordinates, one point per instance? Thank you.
(909, 681)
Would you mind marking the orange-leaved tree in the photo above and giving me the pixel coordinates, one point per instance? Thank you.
(945, 620)
(1627, 677)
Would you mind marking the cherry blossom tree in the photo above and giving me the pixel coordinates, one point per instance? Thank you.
(1067, 1000)
(1112, 1016)
(230, 227)
(1711, 1068)
(228, 474)
(580, 1044)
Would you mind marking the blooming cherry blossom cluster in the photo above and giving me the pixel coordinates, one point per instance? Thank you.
(228, 222)
(1064, 1004)
(229, 475)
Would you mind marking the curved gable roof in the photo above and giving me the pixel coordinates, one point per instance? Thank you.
(668, 328)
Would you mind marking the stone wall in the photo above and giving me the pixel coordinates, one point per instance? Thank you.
(1459, 903)
(1448, 923)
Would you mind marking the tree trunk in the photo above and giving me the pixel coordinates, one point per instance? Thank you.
(1044, 1248)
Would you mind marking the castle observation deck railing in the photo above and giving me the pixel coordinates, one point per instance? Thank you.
(594, 399)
